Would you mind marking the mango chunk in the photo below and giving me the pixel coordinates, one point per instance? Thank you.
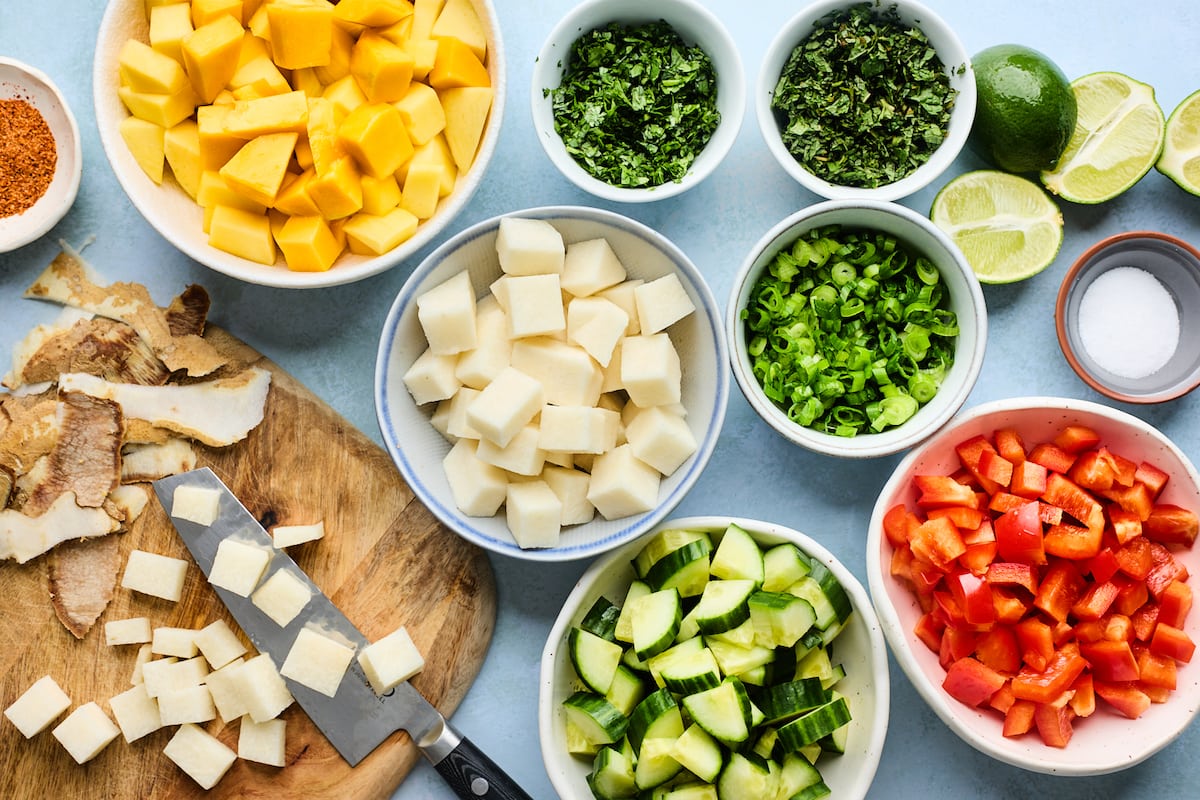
(205, 11)
(145, 142)
(257, 170)
(367, 234)
(373, 13)
(455, 65)
(338, 191)
(168, 25)
(210, 55)
(466, 110)
(437, 153)
(425, 14)
(255, 68)
(383, 69)
(422, 112)
(181, 146)
(345, 94)
(166, 110)
(421, 186)
(216, 145)
(322, 130)
(380, 195)
(300, 32)
(459, 20)
(214, 191)
(144, 69)
(279, 113)
(242, 234)
(340, 46)
(293, 198)
(375, 136)
(308, 244)
(306, 80)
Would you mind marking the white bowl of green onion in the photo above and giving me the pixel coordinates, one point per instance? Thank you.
(786, 692)
(856, 328)
(867, 100)
(634, 101)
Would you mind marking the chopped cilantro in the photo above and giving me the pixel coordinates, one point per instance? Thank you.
(864, 100)
(636, 104)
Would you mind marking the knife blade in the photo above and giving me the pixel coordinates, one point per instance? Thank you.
(356, 719)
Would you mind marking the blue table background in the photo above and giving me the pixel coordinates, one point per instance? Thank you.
(327, 338)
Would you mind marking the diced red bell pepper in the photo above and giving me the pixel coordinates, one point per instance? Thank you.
(1047, 685)
(1012, 573)
(1091, 471)
(942, 490)
(1164, 569)
(1171, 524)
(1124, 470)
(1067, 495)
(1059, 588)
(1103, 566)
(1156, 670)
(1126, 698)
(1157, 694)
(971, 682)
(1118, 628)
(924, 576)
(1083, 696)
(929, 629)
(964, 517)
(1126, 525)
(977, 556)
(1009, 444)
(938, 542)
(1172, 642)
(1153, 478)
(1018, 720)
(957, 643)
(1073, 541)
(1110, 661)
(1131, 595)
(1096, 601)
(1010, 609)
(1088, 630)
(1036, 640)
(1135, 558)
(974, 597)
(1052, 457)
(1053, 721)
(995, 467)
(969, 453)
(1028, 479)
(1144, 620)
(901, 564)
(1077, 438)
(1175, 603)
(898, 523)
(1002, 699)
(1019, 535)
(1135, 499)
(998, 649)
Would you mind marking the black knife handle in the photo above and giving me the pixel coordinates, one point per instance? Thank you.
(472, 775)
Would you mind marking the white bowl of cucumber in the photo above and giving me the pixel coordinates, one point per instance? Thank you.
(725, 644)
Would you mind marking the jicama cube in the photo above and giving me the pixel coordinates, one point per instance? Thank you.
(534, 305)
(578, 429)
(431, 377)
(529, 247)
(262, 689)
(317, 661)
(85, 732)
(534, 513)
(262, 742)
(193, 704)
(156, 575)
(661, 302)
(622, 484)
(567, 374)
(650, 369)
(218, 644)
(199, 754)
(447, 315)
(390, 660)
(167, 641)
(571, 487)
(661, 438)
(282, 596)
(290, 535)
(136, 713)
(38, 706)
(521, 455)
(238, 566)
(508, 403)
(478, 487)
(198, 504)
(591, 266)
(135, 630)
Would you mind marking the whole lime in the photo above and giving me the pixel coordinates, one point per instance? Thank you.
(1025, 112)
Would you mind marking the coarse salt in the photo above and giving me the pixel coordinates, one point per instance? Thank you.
(1128, 322)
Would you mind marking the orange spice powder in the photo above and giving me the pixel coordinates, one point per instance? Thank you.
(28, 156)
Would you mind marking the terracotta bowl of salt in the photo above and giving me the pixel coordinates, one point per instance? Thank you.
(1128, 317)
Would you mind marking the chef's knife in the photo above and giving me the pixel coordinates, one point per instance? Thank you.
(356, 720)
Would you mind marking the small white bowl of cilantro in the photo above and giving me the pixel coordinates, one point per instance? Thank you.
(856, 328)
(865, 100)
(636, 101)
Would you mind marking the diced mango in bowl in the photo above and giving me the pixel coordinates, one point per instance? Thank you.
(304, 128)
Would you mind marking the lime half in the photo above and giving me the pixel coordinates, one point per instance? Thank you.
(1180, 159)
(1005, 225)
(1119, 132)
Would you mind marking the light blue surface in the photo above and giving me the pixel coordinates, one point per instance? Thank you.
(327, 338)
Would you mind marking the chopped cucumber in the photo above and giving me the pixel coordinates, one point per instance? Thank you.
(709, 613)
(738, 557)
(595, 659)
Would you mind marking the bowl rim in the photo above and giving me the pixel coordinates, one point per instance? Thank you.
(864, 445)
(957, 62)
(1061, 327)
(900, 639)
(142, 194)
(695, 464)
(859, 597)
(20, 229)
(546, 69)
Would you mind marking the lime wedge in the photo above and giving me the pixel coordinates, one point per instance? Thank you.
(1180, 159)
(1005, 225)
(1119, 132)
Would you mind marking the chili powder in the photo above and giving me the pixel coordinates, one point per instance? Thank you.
(28, 156)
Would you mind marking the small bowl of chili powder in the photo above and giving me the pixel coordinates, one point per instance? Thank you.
(865, 100)
(40, 159)
(635, 101)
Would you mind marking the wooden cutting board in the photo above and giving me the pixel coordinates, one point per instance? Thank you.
(385, 561)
